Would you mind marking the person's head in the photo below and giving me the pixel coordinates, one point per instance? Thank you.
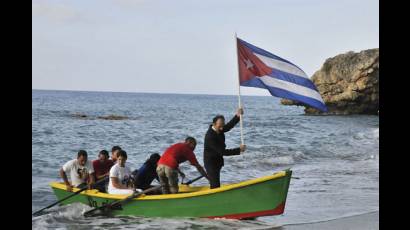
(153, 159)
(218, 122)
(103, 155)
(122, 157)
(191, 142)
(82, 157)
(114, 152)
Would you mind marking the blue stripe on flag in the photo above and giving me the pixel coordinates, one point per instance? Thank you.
(265, 53)
(305, 82)
(255, 82)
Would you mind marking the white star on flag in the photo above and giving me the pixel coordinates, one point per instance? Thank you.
(248, 63)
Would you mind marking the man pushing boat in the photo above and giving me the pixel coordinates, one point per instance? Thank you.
(167, 168)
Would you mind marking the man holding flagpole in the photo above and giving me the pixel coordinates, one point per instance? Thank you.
(261, 69)
(215, 147)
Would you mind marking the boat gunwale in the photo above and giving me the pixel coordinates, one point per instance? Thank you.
(223, 188)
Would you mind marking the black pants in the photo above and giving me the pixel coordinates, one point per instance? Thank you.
(82, 185)
(101, 186)
(214, 173)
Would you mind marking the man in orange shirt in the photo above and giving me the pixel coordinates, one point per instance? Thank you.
(167, 168)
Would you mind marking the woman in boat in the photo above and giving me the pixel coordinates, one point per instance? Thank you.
(102, 168)
(144, 176)
(119, 176)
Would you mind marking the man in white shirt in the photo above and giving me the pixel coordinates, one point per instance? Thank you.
(79, 170)
(120, 176)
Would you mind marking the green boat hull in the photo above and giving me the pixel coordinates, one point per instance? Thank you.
(248, 199)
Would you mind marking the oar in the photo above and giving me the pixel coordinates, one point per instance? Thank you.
(109, 206)
(69, 196)
(192, 181)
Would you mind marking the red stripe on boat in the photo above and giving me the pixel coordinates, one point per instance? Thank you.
(277, 211)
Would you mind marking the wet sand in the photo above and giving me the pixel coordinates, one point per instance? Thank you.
(369, 221)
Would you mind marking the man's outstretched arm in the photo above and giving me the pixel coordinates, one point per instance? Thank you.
(228, 126)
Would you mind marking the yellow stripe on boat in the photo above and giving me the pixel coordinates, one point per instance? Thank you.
(186, 191)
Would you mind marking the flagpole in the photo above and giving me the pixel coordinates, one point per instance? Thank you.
(239, 91)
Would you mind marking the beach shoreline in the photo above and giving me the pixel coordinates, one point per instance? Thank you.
(367, 221)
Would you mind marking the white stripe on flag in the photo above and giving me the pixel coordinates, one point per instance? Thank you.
(282, 66)
(291, 87)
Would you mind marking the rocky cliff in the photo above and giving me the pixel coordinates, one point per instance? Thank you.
(348, 83)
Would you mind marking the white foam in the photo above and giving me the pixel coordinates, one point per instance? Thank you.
(376, 133)
(283, 160)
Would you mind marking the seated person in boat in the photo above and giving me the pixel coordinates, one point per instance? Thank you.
(114, 153)
(102, 168)
(80, 170)
(144, 176)
(167, 168)
(119, 176)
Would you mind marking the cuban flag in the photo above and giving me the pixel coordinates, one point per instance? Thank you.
(261, 69)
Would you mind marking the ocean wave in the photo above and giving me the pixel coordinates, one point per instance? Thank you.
(370, 134)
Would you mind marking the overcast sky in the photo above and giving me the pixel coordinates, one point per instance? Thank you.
(186, 46)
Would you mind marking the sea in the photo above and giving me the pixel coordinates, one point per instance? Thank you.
(335, 159)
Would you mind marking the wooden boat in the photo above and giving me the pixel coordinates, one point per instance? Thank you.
(262, 196)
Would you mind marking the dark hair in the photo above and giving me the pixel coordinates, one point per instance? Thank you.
(217, 117)
(104, 152)
(122, 153)
(153, 159)
(115, 148)
(82, 153)
(190, 139)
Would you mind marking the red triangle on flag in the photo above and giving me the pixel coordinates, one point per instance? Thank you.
(250, 66)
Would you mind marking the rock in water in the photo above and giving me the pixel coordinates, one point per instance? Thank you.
(113, 117)
(348, 83)
(79, 115)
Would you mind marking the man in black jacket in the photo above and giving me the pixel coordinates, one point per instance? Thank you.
(215, 148)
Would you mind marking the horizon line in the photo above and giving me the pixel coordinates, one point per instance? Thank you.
(106, 91)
